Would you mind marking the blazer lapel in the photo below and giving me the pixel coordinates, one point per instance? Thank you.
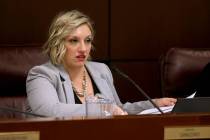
(100, 81)
(98, 77)
(67, 87)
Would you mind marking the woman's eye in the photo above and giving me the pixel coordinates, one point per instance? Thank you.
(89, 40)
(73, 41)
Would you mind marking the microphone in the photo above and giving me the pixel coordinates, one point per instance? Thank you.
(21, 112)
(137, 86)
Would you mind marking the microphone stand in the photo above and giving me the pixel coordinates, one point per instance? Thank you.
(137, 86)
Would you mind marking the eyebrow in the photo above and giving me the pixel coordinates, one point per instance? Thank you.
(89, 36)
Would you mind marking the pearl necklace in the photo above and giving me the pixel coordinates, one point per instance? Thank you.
(84, 87)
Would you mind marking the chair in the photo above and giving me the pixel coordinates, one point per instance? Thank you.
(180, 69)
(15, 61)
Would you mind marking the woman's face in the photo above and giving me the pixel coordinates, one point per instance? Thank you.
(78, 45)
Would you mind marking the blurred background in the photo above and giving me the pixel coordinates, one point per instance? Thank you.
(132, 35)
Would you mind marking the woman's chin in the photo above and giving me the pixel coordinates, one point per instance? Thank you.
(80, 63)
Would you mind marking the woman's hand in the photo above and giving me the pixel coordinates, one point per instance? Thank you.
(118, 111)
(165, 101)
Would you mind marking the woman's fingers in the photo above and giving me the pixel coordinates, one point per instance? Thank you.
(118, 111)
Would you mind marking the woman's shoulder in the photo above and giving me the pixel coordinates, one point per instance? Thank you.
(47, 69)
(43, 67)
(98, 68)
(96, 64)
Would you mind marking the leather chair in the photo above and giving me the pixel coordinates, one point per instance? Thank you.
(180, 70)
(15, 61)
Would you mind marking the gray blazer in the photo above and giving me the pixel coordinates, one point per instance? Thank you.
(49, 90)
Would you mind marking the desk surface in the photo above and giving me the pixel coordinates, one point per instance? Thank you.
(117, 127)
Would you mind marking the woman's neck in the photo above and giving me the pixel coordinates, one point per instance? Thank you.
(75, 73)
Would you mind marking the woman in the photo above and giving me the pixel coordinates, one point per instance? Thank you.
(59, 87)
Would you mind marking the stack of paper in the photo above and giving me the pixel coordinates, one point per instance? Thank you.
(165, 109)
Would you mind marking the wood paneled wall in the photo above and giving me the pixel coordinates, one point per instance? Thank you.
(141, 31)
(131, 34)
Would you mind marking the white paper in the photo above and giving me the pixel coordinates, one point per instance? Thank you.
(165, 109)
(192, 95)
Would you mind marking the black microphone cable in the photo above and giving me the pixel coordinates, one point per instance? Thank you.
(137, 86)
(21, 112)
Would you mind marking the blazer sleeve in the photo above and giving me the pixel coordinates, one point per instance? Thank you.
(43, 97)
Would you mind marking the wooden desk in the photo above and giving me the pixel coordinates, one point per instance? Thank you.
(145, 127)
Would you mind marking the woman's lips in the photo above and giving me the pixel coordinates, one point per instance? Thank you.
(81, 57)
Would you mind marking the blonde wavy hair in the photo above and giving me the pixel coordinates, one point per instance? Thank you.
(63, 24)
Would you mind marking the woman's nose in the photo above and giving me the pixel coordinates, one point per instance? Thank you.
(82, 46)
